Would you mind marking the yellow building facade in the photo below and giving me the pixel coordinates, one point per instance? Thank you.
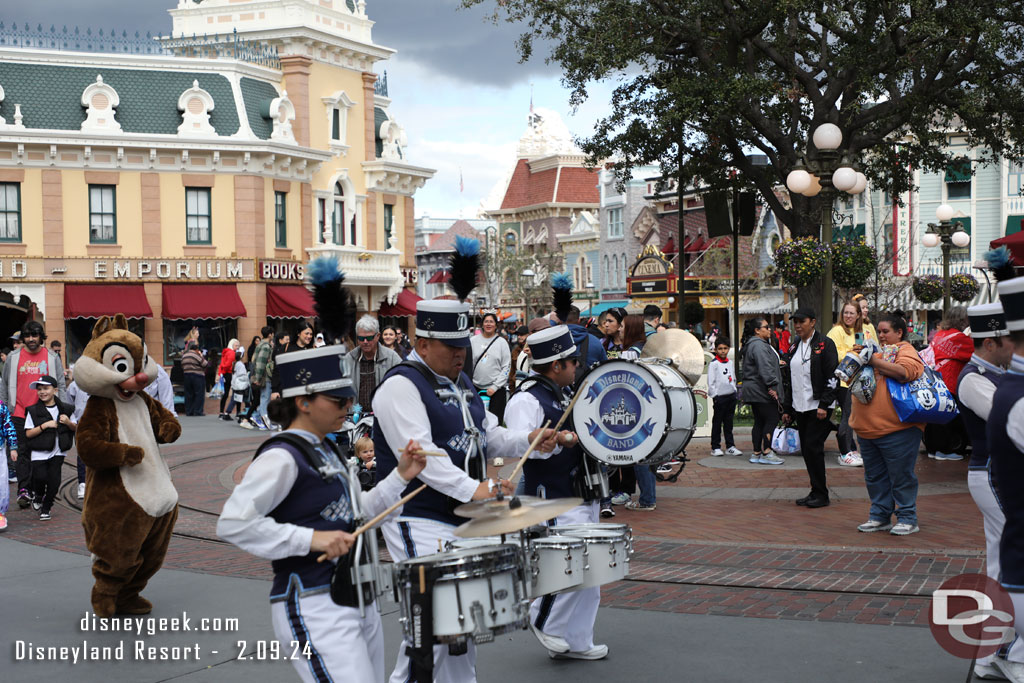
(187, 185)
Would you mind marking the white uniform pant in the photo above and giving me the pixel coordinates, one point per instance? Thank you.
(570, 615)
(415, 537)
(345, 647)
(979, 484)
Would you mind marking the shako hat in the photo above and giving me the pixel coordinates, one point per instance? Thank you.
(443, 319)
(554, 343)
(326, 370)
(1011, 296)
(987, 320)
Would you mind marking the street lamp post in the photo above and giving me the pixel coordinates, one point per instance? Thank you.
(829, 172)
(948, 233)
(527, 276)
(590, 292)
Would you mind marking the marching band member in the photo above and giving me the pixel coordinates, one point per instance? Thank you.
(1005, 436)
(429, 399)
(975, 388)
(563, 623)
(296, 501)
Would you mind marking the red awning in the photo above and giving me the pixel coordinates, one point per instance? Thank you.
(440, 276)
(405, 304)
(1015, 243)
(289, 301)
(93, 301)
(202, 302)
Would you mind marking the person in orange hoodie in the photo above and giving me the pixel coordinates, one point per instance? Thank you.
(952, 349)
(888, 446)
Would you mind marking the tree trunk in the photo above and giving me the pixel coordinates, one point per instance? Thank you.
(811, 297)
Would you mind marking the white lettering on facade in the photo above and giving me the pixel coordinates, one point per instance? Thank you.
(210, 273)
(19, 269)
(184, 269)
(163, 269)
(145, 268)
(99, 269)
(235, 270)
(123, 269)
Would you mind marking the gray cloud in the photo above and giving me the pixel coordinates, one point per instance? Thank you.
(462, 44)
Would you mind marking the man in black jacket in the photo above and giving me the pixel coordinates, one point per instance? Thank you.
(810, 371)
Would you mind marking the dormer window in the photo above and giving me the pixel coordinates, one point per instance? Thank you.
(100, 100)
(195, 105)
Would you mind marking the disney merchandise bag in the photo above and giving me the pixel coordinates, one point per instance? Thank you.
(786, 440)
(926, 399)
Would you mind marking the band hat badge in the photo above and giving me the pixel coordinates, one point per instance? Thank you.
(1011, 295)
(554, 343)
(987, 320)
(326, 370)
(445, 320)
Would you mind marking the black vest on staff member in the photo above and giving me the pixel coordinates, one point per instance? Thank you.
(1007, 468)
(552, 477)
(62, 436)
(974, 425)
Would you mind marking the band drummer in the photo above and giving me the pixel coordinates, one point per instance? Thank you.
(429, 399)
(298, 501)
(564, 623)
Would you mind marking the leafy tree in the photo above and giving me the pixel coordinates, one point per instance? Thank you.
(703, 83)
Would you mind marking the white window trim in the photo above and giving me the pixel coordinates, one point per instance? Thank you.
(196, 125)
(100, 120)
(341, 103)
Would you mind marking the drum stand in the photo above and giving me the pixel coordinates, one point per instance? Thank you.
(673, 477)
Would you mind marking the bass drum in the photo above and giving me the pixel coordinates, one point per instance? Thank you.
(634, 412)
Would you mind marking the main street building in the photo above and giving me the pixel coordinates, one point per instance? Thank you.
(184, 181)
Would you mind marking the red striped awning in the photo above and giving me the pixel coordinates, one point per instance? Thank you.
(202, 302)
(405, 304)
(93, 301)
(289, 301)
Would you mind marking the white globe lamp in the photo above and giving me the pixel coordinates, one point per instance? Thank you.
(930, 239)
(860, 185)
(844, 178)
(827, 136)
(961, 238)
(944, 212)
(798, 181)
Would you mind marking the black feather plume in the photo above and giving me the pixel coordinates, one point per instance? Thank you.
(561, 287)
(465, 263)
(1000, 263)
(333, 302)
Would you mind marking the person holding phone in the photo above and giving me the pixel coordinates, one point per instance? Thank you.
(849, 336)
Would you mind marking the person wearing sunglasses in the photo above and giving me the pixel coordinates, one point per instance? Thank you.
(370, 359)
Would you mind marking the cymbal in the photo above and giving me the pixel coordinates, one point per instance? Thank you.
(490, 506)
(680, 347)
(516, 519)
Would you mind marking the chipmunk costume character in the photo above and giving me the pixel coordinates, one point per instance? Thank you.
(130, 503)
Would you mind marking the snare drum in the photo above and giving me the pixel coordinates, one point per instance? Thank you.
(477, 592)
(606, 553)
(553, 563)
(635, 412)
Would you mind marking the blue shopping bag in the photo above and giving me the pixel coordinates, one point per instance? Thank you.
(926, 399)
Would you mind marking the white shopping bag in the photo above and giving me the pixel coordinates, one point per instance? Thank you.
(785, 440)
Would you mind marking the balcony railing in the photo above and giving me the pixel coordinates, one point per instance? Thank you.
(380, 87)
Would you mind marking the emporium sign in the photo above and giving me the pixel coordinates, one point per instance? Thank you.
(128, 270)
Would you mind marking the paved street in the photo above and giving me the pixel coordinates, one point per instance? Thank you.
(730, 581)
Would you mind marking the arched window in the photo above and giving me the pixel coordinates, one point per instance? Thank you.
(607, 274)
(510, 242)
(338, 217)
(614, 280)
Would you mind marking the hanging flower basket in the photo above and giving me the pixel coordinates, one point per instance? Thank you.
(801, 262)
(963, 287)
(928, 288)
(852, 264)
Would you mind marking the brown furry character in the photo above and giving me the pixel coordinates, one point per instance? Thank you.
(130, 502)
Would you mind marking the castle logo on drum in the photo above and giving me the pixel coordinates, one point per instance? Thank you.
(620, 415)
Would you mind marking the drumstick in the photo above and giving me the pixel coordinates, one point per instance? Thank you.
(436, 454)
(522, 460)
(373, 522)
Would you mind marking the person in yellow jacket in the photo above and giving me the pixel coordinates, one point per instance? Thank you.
(851, 333)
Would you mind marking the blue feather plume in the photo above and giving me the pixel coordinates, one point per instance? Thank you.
(467, 246)
(1000, 262)
(324, 269)
(561, 281)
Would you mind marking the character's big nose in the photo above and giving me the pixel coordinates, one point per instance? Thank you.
(136, 383)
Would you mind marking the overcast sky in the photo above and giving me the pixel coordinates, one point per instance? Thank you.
(455, 83)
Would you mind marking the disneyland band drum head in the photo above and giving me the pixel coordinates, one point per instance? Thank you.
(634, 412)
(477, 592)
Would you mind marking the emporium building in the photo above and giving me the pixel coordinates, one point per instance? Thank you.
(186, 181)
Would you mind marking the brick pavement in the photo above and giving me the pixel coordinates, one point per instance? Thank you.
(723, 555)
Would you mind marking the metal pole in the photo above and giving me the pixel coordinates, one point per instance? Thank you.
(825, 320)
(946, 242)
(681, 298)
(735, 270)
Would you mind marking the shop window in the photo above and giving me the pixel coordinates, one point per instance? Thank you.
(197, 215)
(280, 219)
(10, 212)
(214, 335)
(102, 214)
(615, 222)
(389, 217)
